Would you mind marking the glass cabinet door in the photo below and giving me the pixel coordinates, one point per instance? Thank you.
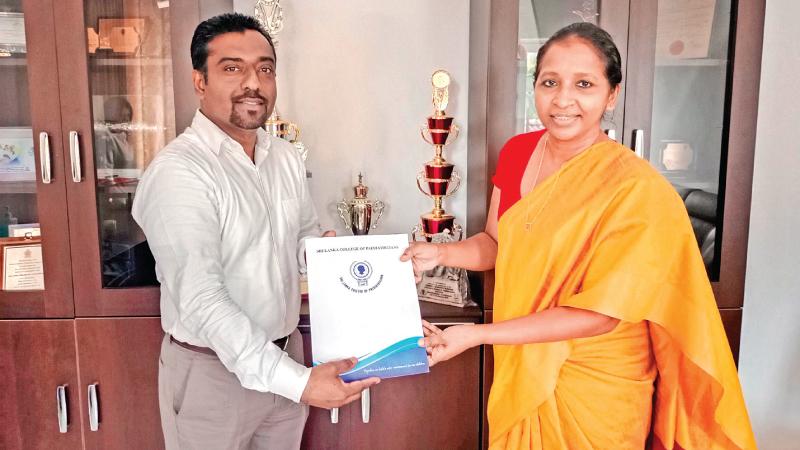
(119, 111)
(34, 258)
(676, 113)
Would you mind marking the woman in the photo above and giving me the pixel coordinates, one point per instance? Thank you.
(606, 334)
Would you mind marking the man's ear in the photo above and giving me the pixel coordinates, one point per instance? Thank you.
(199, 81)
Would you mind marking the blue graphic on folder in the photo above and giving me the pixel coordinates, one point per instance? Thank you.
(402, 358)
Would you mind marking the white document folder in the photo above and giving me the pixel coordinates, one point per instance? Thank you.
(363, 303)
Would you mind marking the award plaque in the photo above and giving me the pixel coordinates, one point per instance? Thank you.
(438, 180)
(21, 264)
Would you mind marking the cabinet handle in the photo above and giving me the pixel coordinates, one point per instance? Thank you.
(94, 408)
(638, 142)
(75, 156)
(334, 415)
(611, 132)
(450, 324)
(61, 406)
(365, 405)
(44, 157)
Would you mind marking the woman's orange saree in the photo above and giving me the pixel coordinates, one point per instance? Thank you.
(609, 234)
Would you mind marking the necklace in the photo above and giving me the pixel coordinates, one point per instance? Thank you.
(528, 221)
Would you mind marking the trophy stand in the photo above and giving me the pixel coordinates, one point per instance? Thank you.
(438, 180)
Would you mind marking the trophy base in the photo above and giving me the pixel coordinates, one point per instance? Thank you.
(446, 286)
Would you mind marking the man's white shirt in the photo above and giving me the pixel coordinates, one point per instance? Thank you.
(227, 235)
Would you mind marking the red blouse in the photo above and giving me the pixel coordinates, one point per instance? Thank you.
(514, 157)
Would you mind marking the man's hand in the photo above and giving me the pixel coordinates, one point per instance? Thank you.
(423, 255)
(326, 390)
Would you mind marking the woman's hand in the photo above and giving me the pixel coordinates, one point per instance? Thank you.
(442, 345)
(423, 255)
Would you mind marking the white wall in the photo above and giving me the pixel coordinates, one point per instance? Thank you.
(355, 76)
(769, 360)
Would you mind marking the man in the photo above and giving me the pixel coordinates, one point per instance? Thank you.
(225, 208)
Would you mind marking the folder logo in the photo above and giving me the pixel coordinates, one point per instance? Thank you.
(361, 271)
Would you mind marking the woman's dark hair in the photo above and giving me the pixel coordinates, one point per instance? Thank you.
(598, 38)
(221, 24)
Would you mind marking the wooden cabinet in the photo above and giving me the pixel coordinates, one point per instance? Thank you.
(63, 92)
(440, 409)
(37, 358)
(708, 100)
(697, 101)
(117, 357)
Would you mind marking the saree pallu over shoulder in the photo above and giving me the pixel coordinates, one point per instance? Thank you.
(609, 234)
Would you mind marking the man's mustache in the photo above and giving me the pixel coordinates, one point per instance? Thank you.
(249, 94)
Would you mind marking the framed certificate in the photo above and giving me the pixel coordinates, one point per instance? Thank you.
(21, 264)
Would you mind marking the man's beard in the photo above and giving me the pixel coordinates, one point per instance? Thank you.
(248, 122)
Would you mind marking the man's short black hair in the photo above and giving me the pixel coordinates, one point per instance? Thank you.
(221, 24)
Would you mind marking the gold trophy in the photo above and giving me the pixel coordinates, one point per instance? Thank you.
(284, 129)
(357, 213)
(438, 173)
(438, 180)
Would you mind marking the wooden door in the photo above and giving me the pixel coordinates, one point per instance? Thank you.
(321, 433)
(30, 193)
(38, 357)
(440, 409)
(119, 357)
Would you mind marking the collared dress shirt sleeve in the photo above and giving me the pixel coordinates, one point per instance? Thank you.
(177, 207)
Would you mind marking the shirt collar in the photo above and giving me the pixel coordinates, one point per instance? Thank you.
(216, 139)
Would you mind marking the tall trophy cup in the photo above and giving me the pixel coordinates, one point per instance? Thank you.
(358, 212)
(438, 180)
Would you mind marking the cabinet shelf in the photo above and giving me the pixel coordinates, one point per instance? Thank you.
(691, 62)
(18, 187)
(157, 62)
(13, 61)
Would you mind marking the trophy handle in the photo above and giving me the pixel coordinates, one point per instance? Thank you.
(417, 229)
(453, 134)
(425, 136)
(420, 177)
(457, 232)
(344, 212)
(377, 206)
(457, 179)
(295, 130)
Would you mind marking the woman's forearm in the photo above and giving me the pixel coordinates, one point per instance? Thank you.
(554, 324)
(476, 253)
